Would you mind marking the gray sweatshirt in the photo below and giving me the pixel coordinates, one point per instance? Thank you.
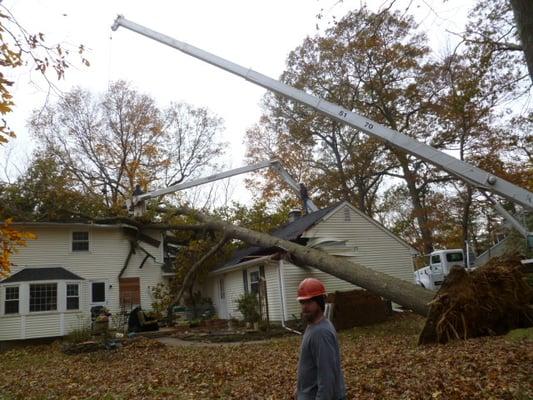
(319, 369)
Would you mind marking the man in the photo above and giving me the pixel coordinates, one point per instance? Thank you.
(319, 368)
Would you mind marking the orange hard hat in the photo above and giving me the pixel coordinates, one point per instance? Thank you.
(309, 288)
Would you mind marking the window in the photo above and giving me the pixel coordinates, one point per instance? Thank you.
(254, 282)
(43, 297)
(222, 289)
(347, 214)
(12, 300)
(73, 296)
(454, 257)
(80, 241)
(435, 259)
(98, 292)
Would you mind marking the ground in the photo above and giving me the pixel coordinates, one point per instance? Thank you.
(380, 362)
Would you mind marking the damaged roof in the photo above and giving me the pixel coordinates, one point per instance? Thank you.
(291, 231)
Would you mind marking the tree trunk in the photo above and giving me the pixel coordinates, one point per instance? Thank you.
(419, 211)
(466, 217)
(401, 292)
(523, 15)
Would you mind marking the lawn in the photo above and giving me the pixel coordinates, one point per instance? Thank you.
(380, 362)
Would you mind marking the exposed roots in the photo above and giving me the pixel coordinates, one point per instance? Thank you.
(491, 300)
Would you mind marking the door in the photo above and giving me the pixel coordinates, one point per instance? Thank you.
(223, 306)
(130, 293)
(98, 293)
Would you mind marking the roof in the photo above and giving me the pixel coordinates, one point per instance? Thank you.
(68, 223)
(42, 274)
(290, 231)
(131, 231)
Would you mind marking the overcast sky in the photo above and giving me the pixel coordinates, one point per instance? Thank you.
(255, 34)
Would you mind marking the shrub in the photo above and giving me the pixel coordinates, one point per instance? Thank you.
(248, 306)
(79, 335)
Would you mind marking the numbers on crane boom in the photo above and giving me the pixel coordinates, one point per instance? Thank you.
(368, 124)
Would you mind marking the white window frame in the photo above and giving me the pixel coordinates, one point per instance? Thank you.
(58, 299)
(71, 241)
(106, 293)
(250, 279)
(18, 299)
(77, 284)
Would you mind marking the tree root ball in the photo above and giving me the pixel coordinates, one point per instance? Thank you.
(490, 300)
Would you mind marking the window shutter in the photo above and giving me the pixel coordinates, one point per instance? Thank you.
(245, 280)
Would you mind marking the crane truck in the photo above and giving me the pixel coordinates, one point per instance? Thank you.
(484, 181)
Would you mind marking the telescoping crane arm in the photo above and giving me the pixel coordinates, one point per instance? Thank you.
(138, 200)
(460, 169)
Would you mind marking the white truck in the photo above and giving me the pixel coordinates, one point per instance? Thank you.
(440, 263)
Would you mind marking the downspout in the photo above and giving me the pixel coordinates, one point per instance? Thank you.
(282, 292)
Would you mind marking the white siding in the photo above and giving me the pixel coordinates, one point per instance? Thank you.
(149, 275)
(42, 325)
(109, 248)
(273, 291)
(292, 276)
(234, 289)
(75, 320)
(10, 327)
(210, 290)
(375, 247)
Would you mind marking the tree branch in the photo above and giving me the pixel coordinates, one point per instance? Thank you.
(196, 266)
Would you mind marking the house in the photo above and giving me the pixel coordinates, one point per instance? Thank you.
(70, 268)
(341, 230)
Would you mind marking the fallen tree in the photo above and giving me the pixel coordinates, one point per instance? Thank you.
(401, 292)
(490, 301)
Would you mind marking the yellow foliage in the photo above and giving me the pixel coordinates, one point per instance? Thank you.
(10, 239)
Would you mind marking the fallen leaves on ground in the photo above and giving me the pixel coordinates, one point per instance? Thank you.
(380, 362)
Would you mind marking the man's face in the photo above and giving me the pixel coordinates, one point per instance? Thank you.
(310, 310)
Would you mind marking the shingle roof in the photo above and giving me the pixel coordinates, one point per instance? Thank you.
(42, 274)
(290, 231)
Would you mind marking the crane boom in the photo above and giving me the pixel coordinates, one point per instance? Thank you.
(138, 200)
(473, 175)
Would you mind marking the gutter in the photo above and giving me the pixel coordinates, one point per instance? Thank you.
(236, 267)
(283, 306)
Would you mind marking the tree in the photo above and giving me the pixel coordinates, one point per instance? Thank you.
(46, 192)
(405, 293)
(10, 240)
(111, 144)
(523, 13)
(377, 64)
(18, 46)
(205, 250)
